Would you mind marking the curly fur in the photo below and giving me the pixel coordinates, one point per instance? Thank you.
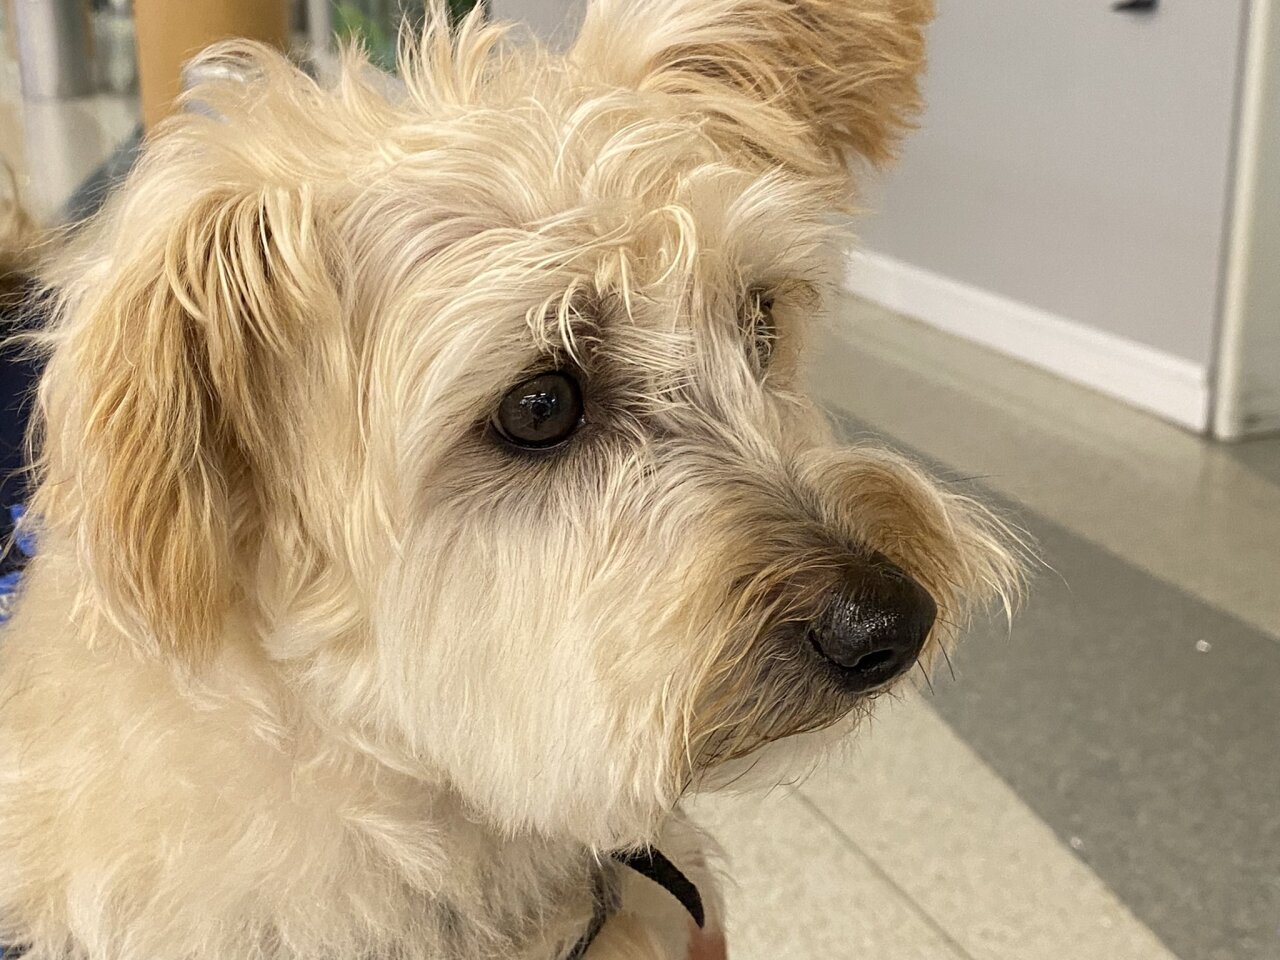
(309, 665)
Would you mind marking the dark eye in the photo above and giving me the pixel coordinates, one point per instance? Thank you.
(541, 412)
(761, 327)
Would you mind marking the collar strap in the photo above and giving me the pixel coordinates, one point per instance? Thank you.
(648, 862)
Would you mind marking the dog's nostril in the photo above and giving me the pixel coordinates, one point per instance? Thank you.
(873, 660)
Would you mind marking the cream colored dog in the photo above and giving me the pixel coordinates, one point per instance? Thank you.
(427, 501)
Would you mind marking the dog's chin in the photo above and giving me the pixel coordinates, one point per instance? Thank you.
(786, 759)
(782, 697)
(783, 742)
(789, 717)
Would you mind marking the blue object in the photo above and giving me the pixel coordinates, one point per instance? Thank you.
(25, 543)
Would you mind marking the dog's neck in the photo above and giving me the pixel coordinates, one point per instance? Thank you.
(145, 817)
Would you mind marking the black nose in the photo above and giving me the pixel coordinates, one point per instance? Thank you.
(874, 625)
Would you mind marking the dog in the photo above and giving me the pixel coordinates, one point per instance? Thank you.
(426, 499)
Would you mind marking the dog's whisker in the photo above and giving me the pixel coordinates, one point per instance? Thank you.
(947, 657)
(927, 679)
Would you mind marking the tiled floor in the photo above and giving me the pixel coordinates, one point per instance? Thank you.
(1103, 781)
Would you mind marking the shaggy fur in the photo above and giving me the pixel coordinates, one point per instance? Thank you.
(309, 664)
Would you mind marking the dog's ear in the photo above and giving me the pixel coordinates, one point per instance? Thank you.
(838, 77)
(168, 402)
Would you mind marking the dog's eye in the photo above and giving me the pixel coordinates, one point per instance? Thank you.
(541, 412)
(761, 327)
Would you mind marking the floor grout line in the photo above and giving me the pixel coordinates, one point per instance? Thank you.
(857, 849)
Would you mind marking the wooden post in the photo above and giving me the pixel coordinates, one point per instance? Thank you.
(171, 32)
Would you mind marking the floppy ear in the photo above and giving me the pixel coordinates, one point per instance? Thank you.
(841, 75)
(168, 398)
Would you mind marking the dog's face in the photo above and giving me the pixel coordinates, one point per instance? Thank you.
(475, 406)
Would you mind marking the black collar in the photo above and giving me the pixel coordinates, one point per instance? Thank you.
(648, 862)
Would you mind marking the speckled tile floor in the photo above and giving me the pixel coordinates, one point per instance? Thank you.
(1102, 781)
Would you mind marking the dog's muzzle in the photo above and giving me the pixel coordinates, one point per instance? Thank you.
(873, 625)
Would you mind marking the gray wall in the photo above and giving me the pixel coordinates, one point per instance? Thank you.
(1077, 160)
(553, 20)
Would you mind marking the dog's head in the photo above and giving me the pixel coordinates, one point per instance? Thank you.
(473, 403)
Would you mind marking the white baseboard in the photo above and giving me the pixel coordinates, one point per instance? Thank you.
(1168, 386)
